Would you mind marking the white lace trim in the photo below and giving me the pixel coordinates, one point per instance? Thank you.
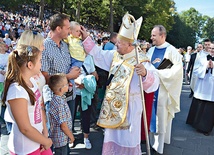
(111, 148)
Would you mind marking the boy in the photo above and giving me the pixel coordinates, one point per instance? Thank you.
(60, 116)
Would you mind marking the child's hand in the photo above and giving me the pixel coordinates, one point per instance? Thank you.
(72, 139)
(47, 145)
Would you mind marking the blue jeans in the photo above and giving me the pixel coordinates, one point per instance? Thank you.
(8, 124)
(61, 150)
(3, 108)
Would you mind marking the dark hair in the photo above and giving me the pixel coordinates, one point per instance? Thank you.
(57, 20)
(99, 41)
(206, 40)
(19, 57)
(55, 81)
(105, 38)
(161, 28)
(113, 35)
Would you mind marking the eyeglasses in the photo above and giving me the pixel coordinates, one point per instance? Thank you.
(29, 51)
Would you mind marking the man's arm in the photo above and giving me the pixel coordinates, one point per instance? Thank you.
(73, 74)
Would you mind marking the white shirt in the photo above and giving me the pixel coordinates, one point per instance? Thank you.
(17, 142)
(89, 65)
(204, 87)
(7, 41)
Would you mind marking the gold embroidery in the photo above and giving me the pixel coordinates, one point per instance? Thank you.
(115, 104)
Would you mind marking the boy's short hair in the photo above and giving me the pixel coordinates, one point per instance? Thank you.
(55, 81)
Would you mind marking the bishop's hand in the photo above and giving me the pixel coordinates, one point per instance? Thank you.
(140, 70)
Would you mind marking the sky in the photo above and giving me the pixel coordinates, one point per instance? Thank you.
(205, 7)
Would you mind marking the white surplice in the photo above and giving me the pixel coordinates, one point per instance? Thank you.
(168, 97)
(205, 81)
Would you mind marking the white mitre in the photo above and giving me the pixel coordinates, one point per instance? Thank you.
(130, 28)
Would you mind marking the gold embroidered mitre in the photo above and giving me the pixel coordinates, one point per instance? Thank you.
(129, 28)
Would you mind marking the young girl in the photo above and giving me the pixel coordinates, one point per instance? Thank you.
(60, 116)
(35, 39)
(21, 96)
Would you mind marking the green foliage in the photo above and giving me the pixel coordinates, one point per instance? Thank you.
(14, 5)
(181, 35)
(208, 29)
(157, 12)
(183, 29)
(189, 27)
(194, 20)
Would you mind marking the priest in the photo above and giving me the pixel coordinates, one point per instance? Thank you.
(167, 98)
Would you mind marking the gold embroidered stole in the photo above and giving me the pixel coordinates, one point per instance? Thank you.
(115, 104)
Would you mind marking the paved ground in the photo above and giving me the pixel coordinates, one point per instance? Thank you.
(185, 140)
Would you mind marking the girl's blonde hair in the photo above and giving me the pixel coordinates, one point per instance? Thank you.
(19, 57)
(31, 38)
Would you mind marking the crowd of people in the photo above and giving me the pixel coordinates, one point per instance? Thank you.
(52, 69)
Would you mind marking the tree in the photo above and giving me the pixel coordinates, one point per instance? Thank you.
(181, 35)
(208, 29)
(41, 9)
(157, 12)
(111, 17)
(194, 20)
